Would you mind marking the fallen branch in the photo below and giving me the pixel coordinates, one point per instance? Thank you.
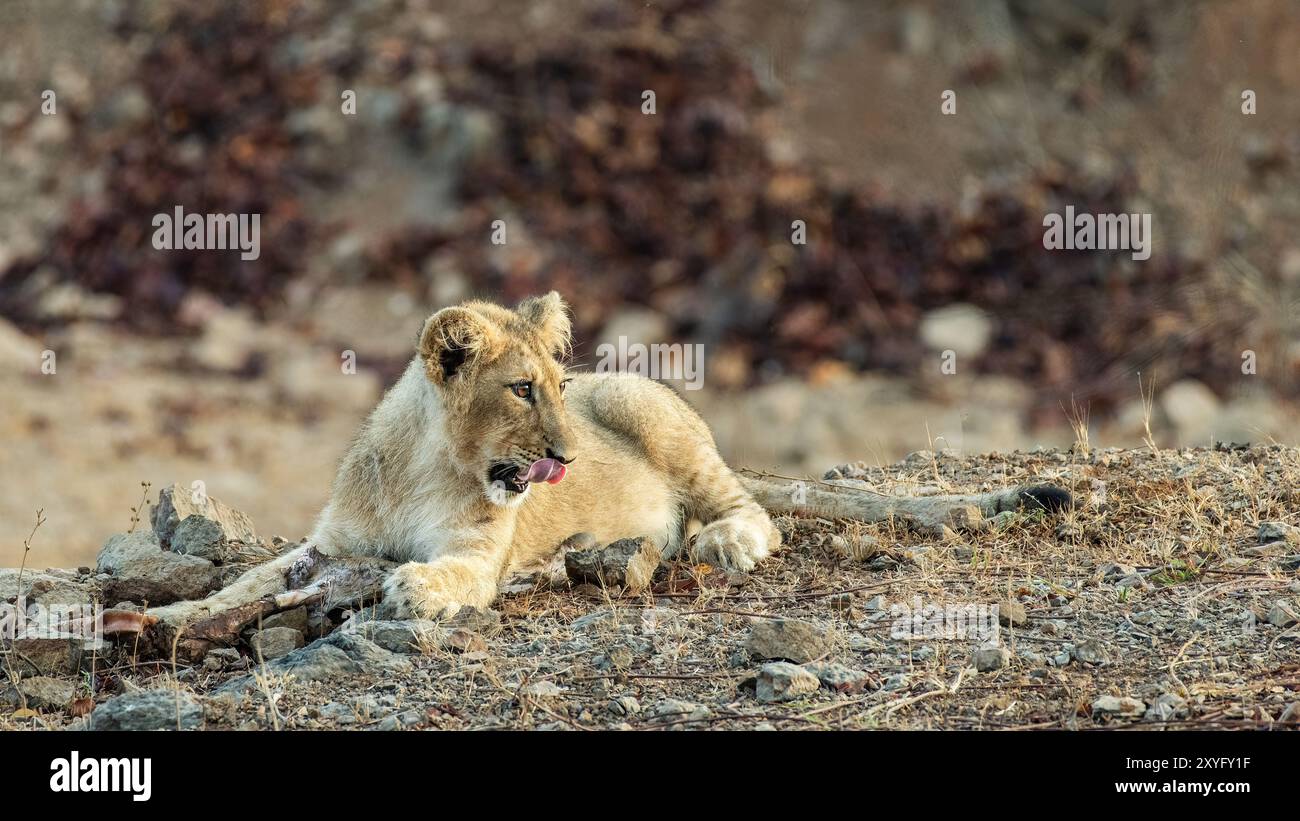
(324, 582)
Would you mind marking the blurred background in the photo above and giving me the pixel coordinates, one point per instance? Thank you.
(924, 230)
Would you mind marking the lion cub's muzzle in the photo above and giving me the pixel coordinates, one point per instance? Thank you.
(516, 479)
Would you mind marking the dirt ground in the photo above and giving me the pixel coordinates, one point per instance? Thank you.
(1153, 604)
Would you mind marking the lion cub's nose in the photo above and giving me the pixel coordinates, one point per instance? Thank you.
(559, 457)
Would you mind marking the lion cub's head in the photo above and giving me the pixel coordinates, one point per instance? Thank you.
(502, 385)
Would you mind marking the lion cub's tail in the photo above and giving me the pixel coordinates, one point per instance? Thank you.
(836, 500)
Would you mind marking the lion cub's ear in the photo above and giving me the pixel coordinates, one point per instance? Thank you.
(454, 339)
(550, 319)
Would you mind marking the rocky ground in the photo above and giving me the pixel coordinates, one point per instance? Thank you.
(1167, 598)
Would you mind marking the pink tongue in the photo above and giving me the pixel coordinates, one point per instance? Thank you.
(545, 470)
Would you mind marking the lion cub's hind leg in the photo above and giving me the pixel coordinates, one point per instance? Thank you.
(736, 532)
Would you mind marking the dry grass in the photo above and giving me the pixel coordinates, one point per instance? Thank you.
(1148, 397)
(1184, 521)
(10, 670)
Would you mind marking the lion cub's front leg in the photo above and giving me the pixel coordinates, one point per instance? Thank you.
(439, 588)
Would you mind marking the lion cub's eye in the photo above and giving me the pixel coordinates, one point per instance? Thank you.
(524, 390)
(564, 384)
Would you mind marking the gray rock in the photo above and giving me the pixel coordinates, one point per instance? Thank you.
(841, 679)
(1113, 572)
(176, 504)
(624, 706)
(988, 659)
(1118, 706)
(148, 710)
(783, 681)
(404, 636)
(295, 619)
(1012, 614)
(44, 692)
(618, 657)
(414, 636)
(367, 707)
(338, 713)
(46, 657)
(400, 721)
(312, 663)
(202, 537)
(1278, 532)
(220, 658)
(143, 571)
(883, 562)
(486, 621)
(626, 563)
(542, 689)
(1165, 708)
(274, 642)
(342, 653)
(1271, 550)
(673, 710)
(371, 657)
(461, 640)
(897, 681)
(1061, 659)
(46, 589)
(789, 639)
(1283, 615)
(1091, 651)
(1134, 580)
(1148, 618)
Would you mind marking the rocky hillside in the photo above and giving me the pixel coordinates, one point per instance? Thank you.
(1168, 596)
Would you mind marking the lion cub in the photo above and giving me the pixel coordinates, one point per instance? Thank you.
(487, 454)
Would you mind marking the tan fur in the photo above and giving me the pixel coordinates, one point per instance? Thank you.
(414, 486)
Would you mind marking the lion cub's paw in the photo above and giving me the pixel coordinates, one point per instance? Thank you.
(418, 590)
(731, 544)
